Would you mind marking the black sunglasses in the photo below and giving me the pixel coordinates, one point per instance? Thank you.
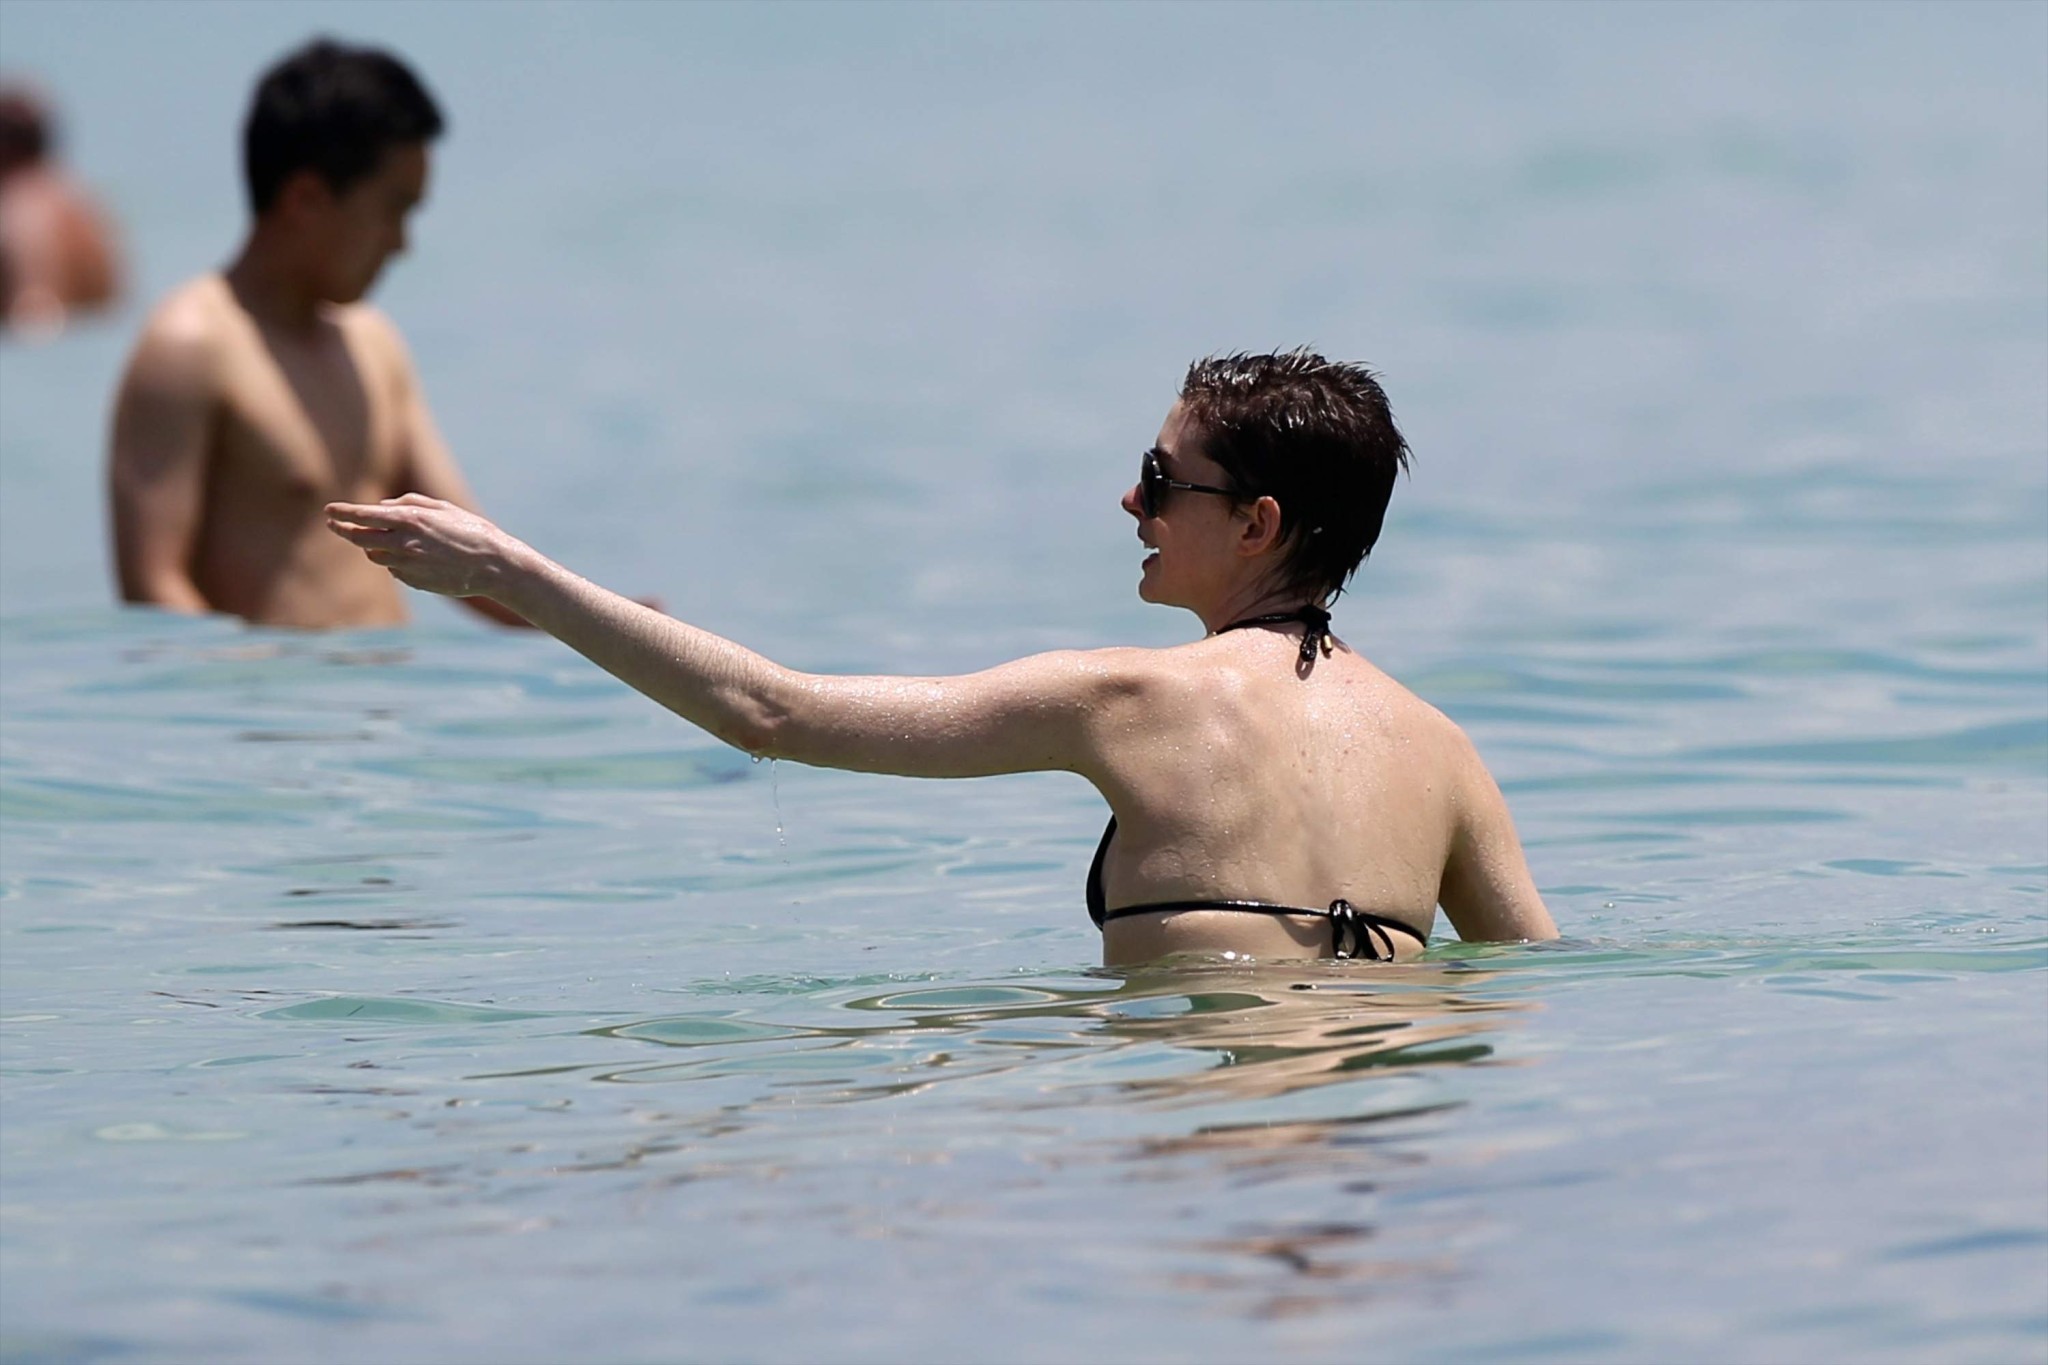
(1153, 483)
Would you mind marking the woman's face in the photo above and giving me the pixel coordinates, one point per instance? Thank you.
(1191, 540)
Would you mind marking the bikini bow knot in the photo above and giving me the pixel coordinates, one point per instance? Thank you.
(1351, 930)
(1315, 633)
(1314, 621)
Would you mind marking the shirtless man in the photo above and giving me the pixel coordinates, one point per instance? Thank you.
(258, 395)
(57, 256)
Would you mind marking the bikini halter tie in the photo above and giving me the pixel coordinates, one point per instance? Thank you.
(1314, 636)
(1352, 929)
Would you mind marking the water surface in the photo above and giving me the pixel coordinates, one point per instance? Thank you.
(423, 994)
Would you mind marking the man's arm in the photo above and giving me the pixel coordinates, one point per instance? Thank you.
(1038, 714)
(427, 465)
(163, 431)
(1487, 891)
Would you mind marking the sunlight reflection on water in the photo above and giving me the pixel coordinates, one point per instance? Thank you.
(423, 994)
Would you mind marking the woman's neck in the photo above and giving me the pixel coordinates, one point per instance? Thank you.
(1256, 599)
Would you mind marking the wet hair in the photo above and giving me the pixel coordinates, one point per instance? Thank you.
(1314, 435)
(334, 110)
(26, 136)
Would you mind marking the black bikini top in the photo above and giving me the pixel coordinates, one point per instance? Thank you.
(1355, 933)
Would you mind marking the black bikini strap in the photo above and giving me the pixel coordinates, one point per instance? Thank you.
(1097, 904)
(1314, 620)
(1352, 931)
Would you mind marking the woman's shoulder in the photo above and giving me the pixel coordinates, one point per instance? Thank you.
(1396, 706)
(1118, 685)
(1201, 664)
(1430, 733)
(1119, 669)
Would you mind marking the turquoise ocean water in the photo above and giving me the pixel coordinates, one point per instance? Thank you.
(424, 995)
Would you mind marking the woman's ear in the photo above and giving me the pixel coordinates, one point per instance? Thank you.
(1261, 527)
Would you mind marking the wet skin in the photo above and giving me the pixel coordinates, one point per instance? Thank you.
(1232, 774)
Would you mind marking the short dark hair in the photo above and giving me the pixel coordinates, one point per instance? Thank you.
(26, 136)
(1317, 437)
(332, 109)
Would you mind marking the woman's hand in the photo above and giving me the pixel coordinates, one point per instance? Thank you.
(431, 545)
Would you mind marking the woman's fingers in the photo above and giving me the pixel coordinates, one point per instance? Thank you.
(391, 512)
(421, 541)
(365, 536)
(354, 520)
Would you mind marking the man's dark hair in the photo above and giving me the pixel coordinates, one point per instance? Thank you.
(25, 133)
(1314, 435)
(334, 110)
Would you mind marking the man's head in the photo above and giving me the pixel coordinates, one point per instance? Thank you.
(1314, 435)
(335, 153)
(25, 132)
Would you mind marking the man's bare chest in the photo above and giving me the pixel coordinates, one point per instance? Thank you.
(308, 423)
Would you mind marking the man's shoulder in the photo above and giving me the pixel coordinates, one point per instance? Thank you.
(201, 306)
(371, 326)
(188, 332)
(371, 333)
(199, 315)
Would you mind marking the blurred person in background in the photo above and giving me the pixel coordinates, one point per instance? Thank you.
(259, 394)
(57, 255)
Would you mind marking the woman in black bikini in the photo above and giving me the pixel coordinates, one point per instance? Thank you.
(1274, 795)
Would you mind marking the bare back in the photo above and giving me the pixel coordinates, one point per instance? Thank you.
(56, 252)
(1233, 777)
(229, 439)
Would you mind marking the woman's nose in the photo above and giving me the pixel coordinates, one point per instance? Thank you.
(1130, 502)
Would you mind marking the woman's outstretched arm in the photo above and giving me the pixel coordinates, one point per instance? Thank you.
(1035, 714)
